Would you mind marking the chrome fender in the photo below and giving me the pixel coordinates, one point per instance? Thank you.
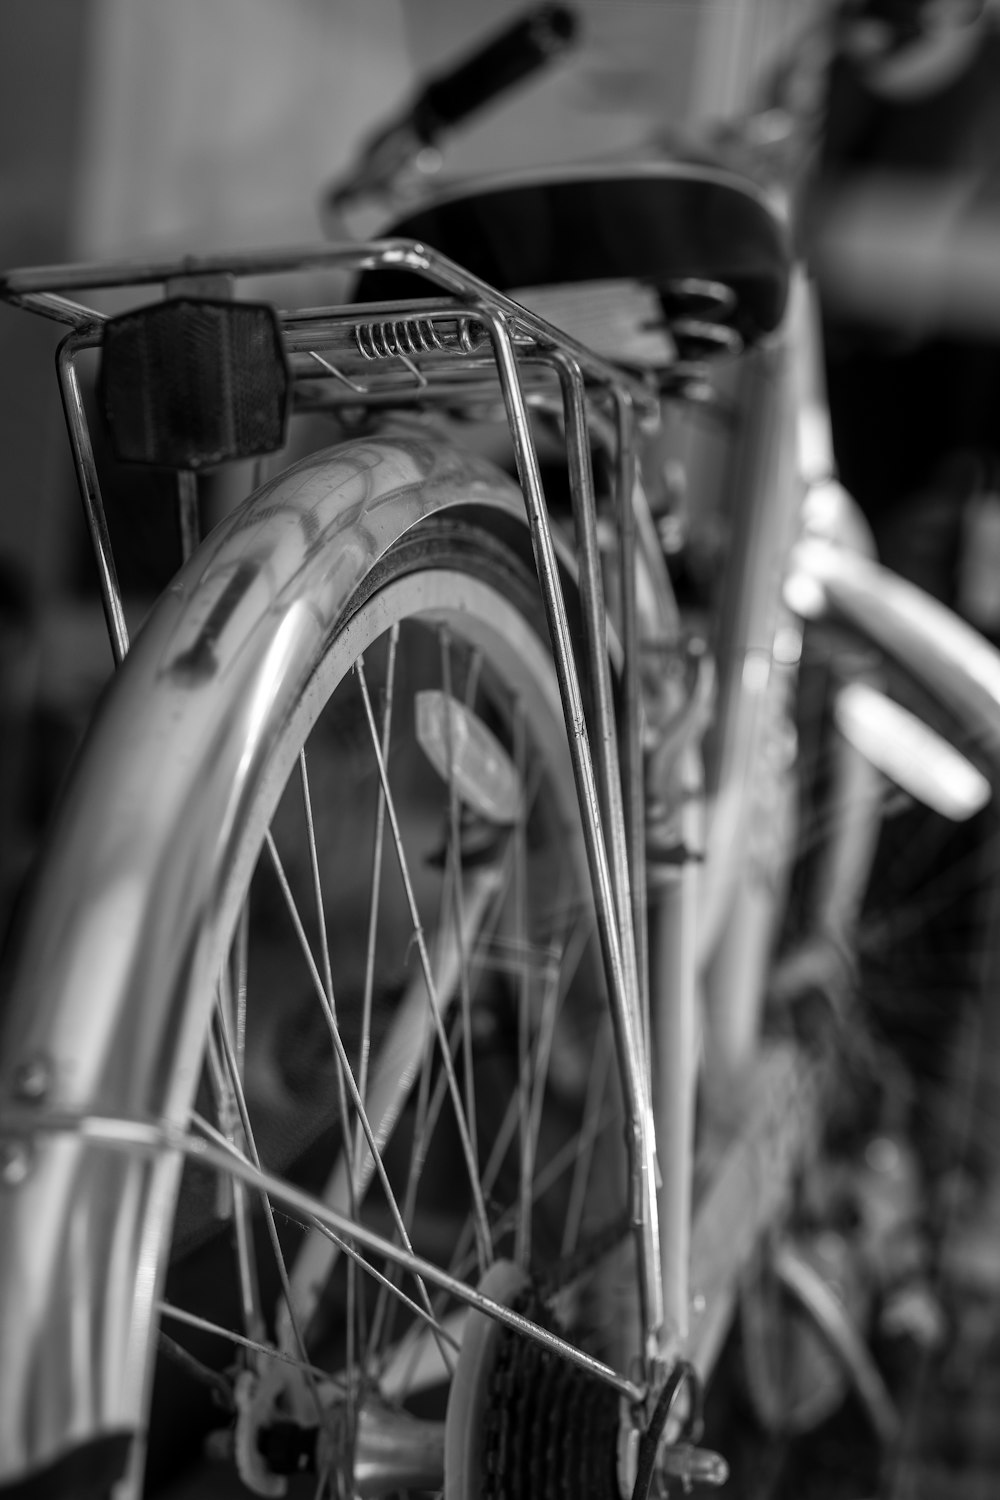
(112, 976)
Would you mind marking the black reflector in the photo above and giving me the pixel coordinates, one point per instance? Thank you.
(190, 382)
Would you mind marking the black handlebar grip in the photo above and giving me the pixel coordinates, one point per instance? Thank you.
(512, 55)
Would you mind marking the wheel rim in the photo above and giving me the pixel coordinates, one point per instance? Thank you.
(508, 1066)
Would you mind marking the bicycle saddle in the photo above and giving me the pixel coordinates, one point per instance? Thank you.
(652, 225)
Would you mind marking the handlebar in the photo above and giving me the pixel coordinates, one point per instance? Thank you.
(510, 56)
(513, 54)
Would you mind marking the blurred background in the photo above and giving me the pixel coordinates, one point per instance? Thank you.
(137, 128)
(130, 127)
(161, 127)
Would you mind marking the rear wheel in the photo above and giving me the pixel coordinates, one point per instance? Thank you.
(411, 1023)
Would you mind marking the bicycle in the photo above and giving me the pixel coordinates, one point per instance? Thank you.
(500, 912)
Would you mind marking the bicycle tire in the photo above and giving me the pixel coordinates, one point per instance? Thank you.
(182, 787)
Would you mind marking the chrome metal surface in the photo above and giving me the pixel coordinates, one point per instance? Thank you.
(909, 752)
(629, 500)
(59, 310)
(693, 1465)
(942, 652)
(392, 1452)
(90, 490)
(119, 1134)
(48, 282)
(765, 499)
(383, 339)
(125, 941)
(112, 974)
(676, 1020)
(604, 737)
(640, 1129)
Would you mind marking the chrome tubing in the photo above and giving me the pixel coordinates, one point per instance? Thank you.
(624, 1000)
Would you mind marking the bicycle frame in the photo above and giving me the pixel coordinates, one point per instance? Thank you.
(689, 1265)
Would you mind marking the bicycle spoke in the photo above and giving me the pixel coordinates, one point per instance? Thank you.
(205, 1325)
(426, 1115)
(596, 1084)
(522, 1250)
(272, 1228)
(204, 1374)
(454, 884)
(911, 913)
(566, 1158)
(118, 1133)
(246, 1256)
(391, 1084)
(412, 1365)
(376, 881)
(246, 1264)
(345, 1124)
(530, 1083)
(430, 1321)
(575, 1154)
(343, 1244)
(479, 1207)
(343, 1060)
(561, 966)
(225, 1109)
(463, 1264)
(241, 949)
(429, 1105)
(380, 875)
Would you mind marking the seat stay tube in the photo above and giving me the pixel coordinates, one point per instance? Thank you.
(624, 1000)
(607, 763)
(634, 789)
